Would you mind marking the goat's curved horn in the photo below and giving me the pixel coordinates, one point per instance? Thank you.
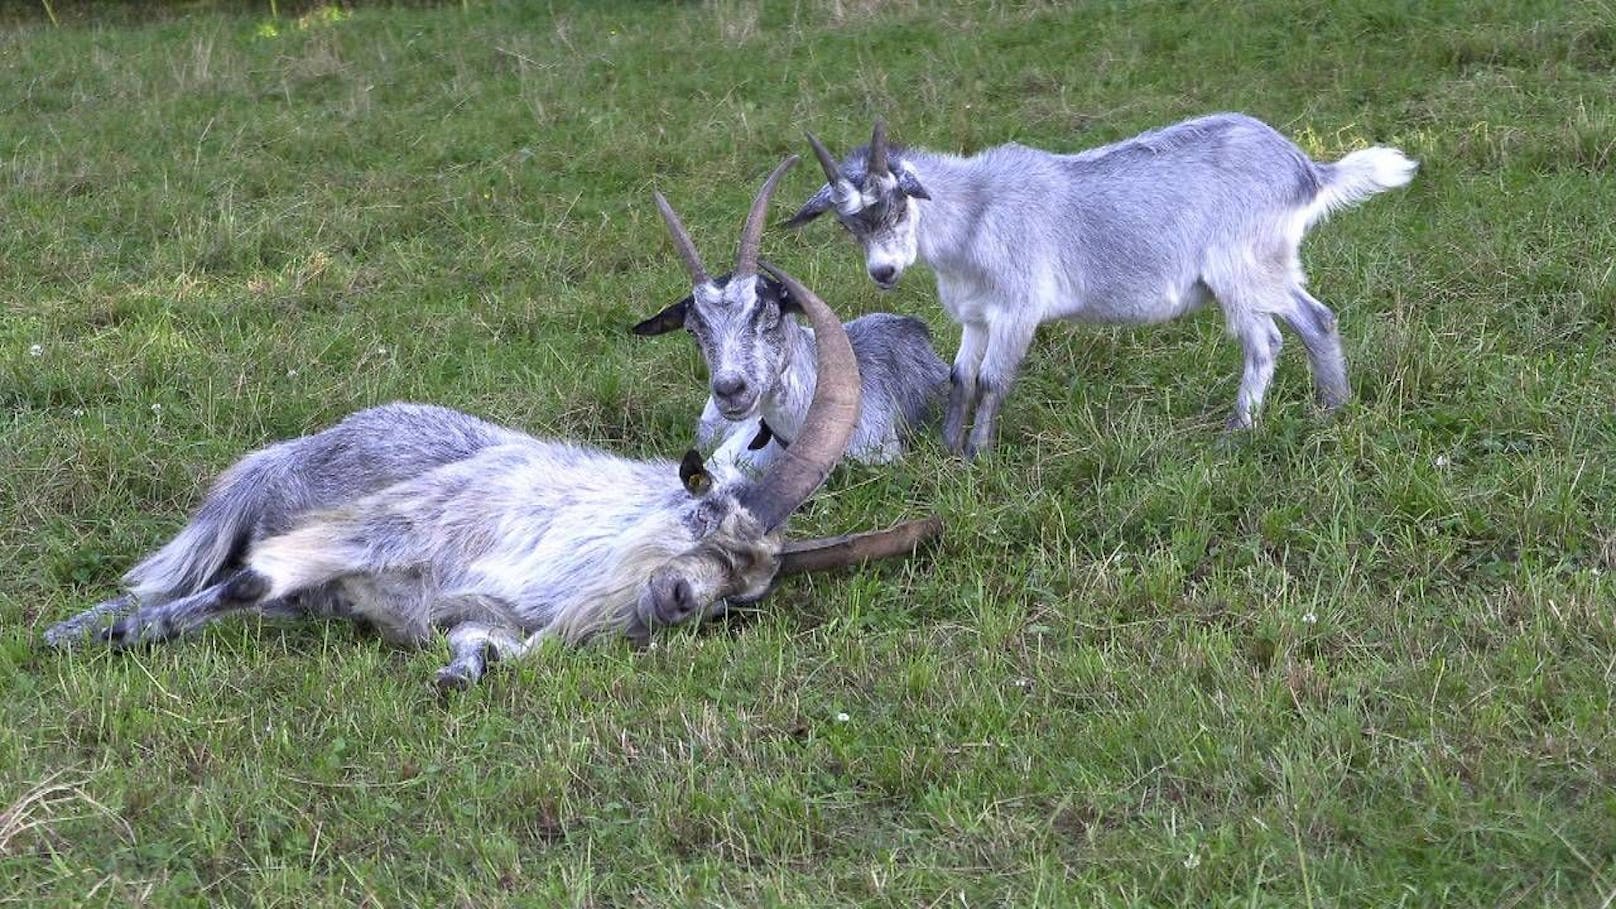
(827, 161)
(746, 255)
(825, 430)
(878, 150)
(682, 241)
(855, 549)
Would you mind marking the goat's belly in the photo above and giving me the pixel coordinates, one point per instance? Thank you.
(1136, 306)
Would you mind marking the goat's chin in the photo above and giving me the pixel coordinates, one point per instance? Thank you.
(738, 414)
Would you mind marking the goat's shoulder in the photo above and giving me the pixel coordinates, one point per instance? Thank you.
(895, 351)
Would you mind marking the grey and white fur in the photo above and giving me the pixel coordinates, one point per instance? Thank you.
(1140, 231)
(412, 517)
(761, 360)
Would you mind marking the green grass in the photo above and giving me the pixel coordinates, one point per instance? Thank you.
(1365, 661)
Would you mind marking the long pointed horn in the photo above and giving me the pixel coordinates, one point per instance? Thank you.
(746, 255)
(855, 549)
(878, 150)
(827, 161)
(798, 473)
(682, 241)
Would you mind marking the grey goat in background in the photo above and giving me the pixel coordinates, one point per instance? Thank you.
(1140, 231)
(761, 361)
(412, 517)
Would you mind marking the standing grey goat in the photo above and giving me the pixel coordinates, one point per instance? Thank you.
(412, 517)
(1141, 231)
(762, 362)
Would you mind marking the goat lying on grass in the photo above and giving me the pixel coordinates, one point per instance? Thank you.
(1144, 230)
(762, 362)
(412, 517)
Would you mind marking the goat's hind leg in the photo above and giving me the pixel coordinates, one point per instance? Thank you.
(1260, 339)
(70, 631)
(1315, 324)
(241, 591)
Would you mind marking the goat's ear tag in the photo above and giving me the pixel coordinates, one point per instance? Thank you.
(693, 473)
(670, 319)
(761, 440)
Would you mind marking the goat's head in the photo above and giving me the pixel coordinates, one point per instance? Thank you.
(739, 553)
(738, 318)
(873, 192)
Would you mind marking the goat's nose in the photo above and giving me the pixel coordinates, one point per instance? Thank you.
(883, 274)
(728, 386)
(681, 602)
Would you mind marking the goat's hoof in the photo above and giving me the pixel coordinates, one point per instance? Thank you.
(65, 636)
(450, 678)
(118, 635)
(1237, 423)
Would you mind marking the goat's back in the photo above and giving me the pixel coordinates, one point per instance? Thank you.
(899, 367)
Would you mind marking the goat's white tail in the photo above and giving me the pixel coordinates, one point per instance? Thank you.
(212, 539)
(1357, 177)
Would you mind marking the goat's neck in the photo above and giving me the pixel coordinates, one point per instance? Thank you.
(786, 403)
(944, 220)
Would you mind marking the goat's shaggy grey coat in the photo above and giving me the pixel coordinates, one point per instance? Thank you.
(413, 517)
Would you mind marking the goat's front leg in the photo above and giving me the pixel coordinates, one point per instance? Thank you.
(962, 383)
(472, 646)
(1007, 345)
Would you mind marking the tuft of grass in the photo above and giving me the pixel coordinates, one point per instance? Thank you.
(1361, 660)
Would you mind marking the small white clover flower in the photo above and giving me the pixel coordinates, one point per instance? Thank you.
(1192, 861)
(1441, 461)
(36, 350)
(842, 717)
(1310, 618)
(78, 411)
(291, 374)
(157, 408)
(381, 351)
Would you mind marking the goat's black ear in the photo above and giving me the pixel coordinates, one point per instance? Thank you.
(817, 204)
(670, 319)
(910, 184)
(788, 303)
(693, 473)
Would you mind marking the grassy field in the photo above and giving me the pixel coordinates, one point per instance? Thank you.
(1366, 661)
